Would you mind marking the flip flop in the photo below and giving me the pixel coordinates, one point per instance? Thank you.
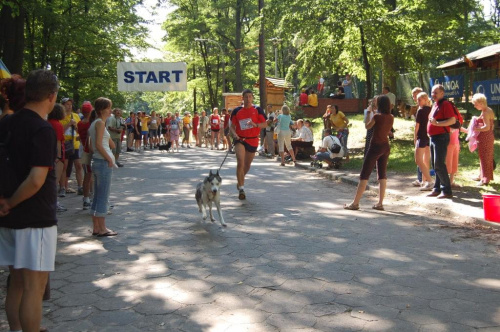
(378, 207)
(108, 233)
(351, 207)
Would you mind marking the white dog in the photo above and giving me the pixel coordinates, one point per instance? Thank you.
(207, 192)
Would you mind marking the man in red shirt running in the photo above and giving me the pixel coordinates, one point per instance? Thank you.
(246, 123)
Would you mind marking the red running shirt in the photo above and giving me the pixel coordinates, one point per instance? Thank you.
(240, 118)
(83, 128)
(215, 122)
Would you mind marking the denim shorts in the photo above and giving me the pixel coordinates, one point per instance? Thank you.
(102, 187)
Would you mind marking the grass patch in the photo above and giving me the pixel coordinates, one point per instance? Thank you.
(401, 160)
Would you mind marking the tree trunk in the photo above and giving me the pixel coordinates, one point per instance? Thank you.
(238, 86)
(12, 39)
(366, 63)
(194, 90)
(262, 60)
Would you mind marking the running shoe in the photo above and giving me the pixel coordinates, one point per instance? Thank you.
(427, 186)
(60, 208)
(416, 183)
(70, 191)
(242, 195)
(80, 190)
(62, 192)
(86, 205)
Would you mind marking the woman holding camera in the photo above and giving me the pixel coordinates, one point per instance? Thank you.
(378, 153)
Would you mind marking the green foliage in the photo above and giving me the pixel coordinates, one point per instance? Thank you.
(81, 41)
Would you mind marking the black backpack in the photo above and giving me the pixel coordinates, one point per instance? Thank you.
(335, 147)
(8, 176)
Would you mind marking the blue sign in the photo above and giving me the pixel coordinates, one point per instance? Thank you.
(490, 88)
(453, 85)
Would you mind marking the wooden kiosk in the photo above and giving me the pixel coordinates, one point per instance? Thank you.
(275, 90)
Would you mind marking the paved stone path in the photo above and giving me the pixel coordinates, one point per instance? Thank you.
(291, 259)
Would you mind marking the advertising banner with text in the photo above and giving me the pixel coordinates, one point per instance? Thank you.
(490, 88)
(453, 85)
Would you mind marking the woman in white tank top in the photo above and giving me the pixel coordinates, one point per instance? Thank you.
(103, 163)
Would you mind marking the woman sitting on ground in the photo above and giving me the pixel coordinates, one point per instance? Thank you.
(378, 153)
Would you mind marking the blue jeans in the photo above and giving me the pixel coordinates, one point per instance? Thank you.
(439, 148)
(102, 187)
(343, 135)
(324, 156)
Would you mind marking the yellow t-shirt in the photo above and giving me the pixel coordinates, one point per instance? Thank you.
(186, 120)
(338, 120)
(68, 133)
(312, 100)
(144, 123)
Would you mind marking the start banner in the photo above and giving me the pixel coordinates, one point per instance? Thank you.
(490, 88)
(152, 76)
(453, 85)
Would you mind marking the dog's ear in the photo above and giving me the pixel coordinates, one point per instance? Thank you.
(217, 173)
(210, 173)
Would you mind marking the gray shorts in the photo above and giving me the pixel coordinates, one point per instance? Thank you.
(118, 146)
(29, 248)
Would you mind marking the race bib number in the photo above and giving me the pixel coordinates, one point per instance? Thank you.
(245, 124)
(173, 126)
(215, 121)
(153, 121)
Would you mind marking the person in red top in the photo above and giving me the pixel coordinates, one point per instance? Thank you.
(215, 127)
(246, 123)
(166, 137)
(83, 127)
(441, 117)
(196, 122)
(53, 118)
(303, 99)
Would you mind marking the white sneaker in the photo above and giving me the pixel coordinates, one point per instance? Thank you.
(426, 186)
(416, 183)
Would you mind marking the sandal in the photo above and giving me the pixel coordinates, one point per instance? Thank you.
(351, 207)
(282, 164)
(108, 233)
(379, 207)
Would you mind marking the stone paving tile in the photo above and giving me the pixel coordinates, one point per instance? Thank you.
(280, 265)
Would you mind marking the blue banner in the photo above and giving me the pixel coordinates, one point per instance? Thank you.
(490, 88)
(453, 85)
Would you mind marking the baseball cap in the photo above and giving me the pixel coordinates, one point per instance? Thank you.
(66, 99)
(86, 107)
